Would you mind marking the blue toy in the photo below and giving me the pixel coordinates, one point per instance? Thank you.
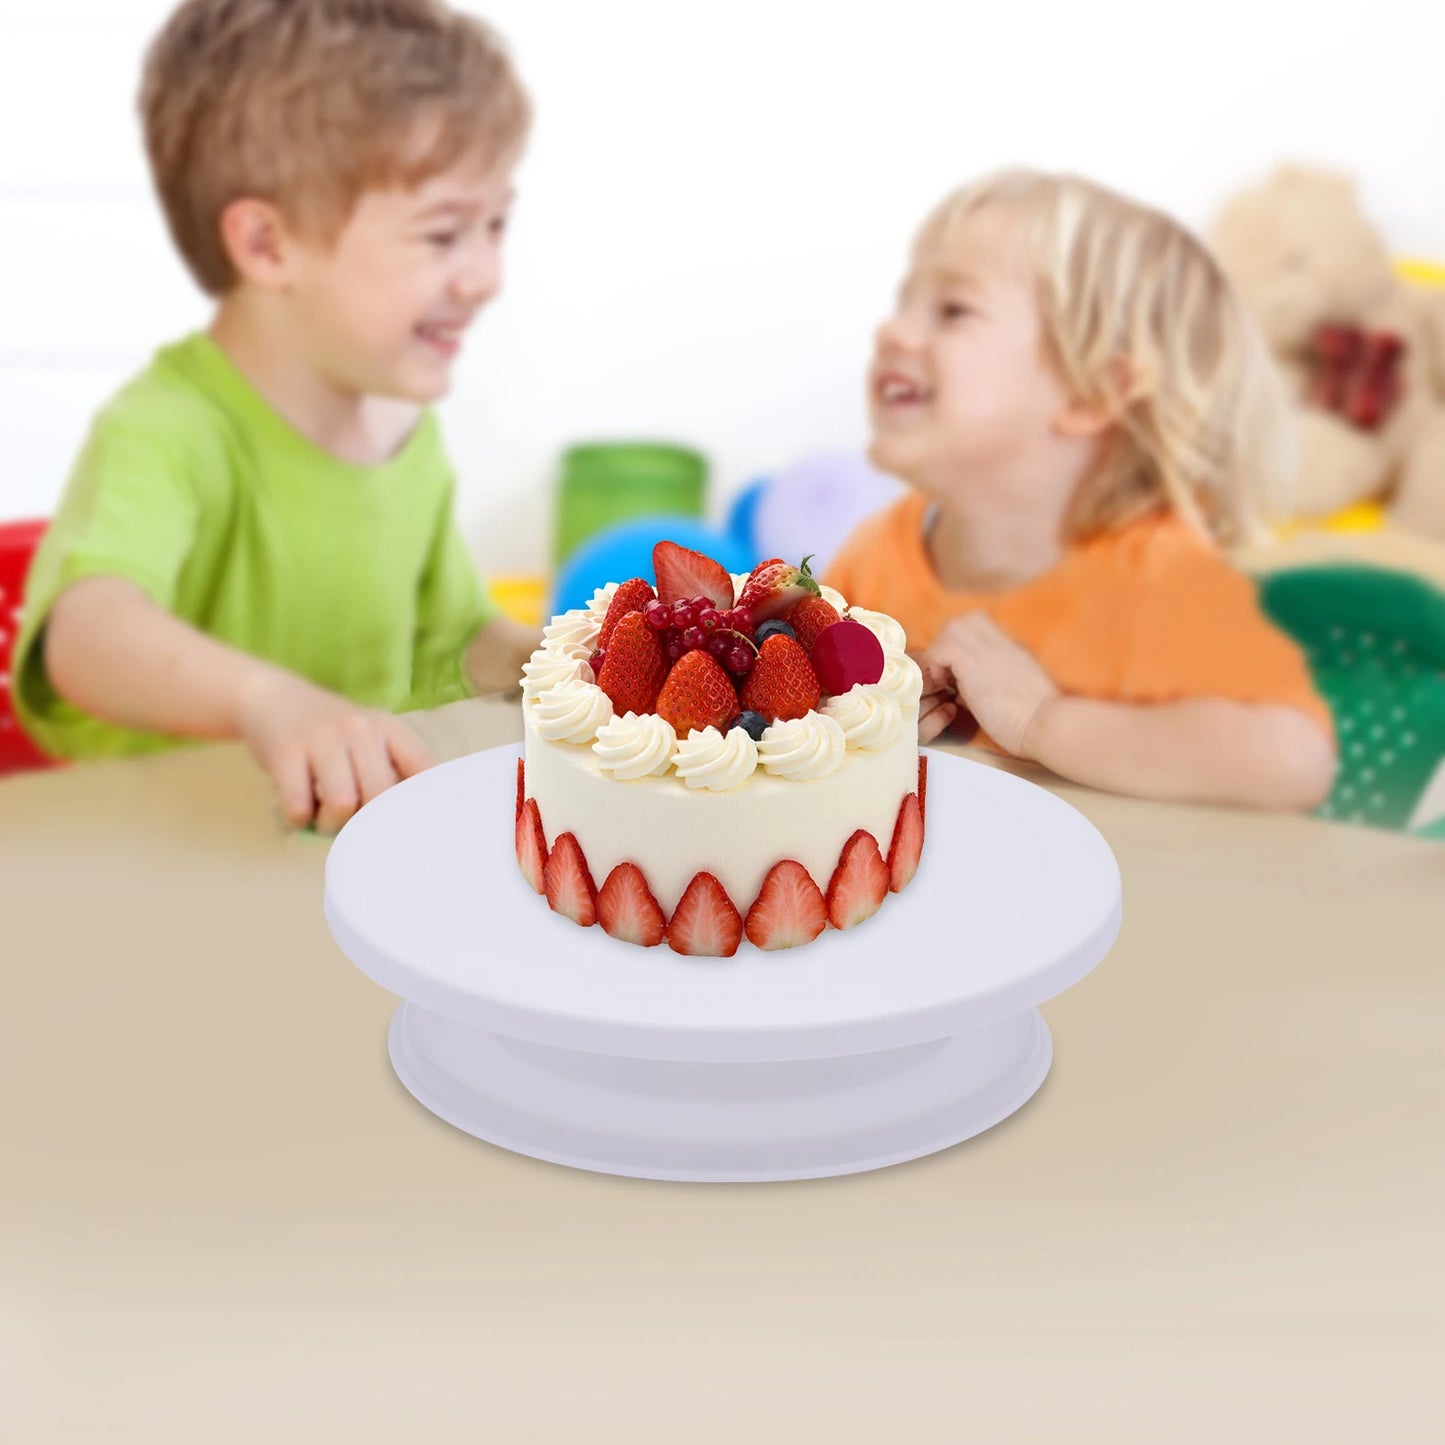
(814, 505)
(625, 551)
(743, 515)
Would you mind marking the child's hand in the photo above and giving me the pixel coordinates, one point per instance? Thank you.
(938, 706)
(327, 755)
(994, 678)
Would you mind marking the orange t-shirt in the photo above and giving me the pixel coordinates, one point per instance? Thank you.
(1148, 613)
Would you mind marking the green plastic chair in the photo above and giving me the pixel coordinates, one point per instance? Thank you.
(1375, 640)
(604, 483)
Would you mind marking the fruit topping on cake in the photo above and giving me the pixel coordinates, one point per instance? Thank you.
(782, 684)
(683, 574)
(697, 694)
(846, 654)
(705, 923)
(634, 668)
(788, 911)
(860, 881)
(569, 886)
(632, 596)
(809, 617)
(907, 844)
(775, 586)
(627, 910)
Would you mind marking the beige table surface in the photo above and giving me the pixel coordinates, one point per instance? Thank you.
(222, 1219)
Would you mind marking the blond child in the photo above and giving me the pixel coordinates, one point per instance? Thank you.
(258, 540)
(1085, 415)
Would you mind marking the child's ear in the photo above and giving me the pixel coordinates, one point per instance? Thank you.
(257, 241)
(1084, 419)
(1080, 418)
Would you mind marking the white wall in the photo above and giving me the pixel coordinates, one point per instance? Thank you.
(717, 202)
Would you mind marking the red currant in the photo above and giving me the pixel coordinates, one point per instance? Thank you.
(740, 660)
(709, 618)
(597, 659)
(675, 649)
(742, 619)
(719, 644)
(683, 614)
(693, 638)
(657, 615)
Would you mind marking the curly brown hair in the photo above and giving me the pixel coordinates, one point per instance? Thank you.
(307, 103)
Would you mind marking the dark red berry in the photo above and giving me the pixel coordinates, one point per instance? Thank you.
(675, 649)
(597, 659)
(742, 619)
(740, 660)
(720, 644)
(709, 619)
(845, 654)
(683, 614)
(657, 615)
(693, 638)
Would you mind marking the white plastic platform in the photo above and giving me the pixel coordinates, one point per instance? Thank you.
(894, 1039)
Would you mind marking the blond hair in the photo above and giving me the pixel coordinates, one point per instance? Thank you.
(307, 103)
(1139, 320)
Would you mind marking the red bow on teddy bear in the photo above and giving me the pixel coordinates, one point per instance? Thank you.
(1356, 373)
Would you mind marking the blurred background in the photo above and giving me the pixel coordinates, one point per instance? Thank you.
(716, 205)
(713, 215)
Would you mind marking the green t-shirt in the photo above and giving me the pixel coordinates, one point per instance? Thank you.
(191, 486)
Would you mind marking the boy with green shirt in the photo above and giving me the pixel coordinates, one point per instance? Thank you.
(258, 538)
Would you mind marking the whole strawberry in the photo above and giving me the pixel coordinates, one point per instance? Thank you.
(635, 666)
(631, 596)
(774, 586)
(782, 684)
(697, 694)
(809, 617)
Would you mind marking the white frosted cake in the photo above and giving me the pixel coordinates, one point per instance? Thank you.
(720, 757)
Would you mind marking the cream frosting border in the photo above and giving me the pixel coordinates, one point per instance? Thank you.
(868, 716)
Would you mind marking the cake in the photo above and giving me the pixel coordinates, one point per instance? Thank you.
(720, 757)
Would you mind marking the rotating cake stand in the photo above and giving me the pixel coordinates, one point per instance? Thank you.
(910, 1032)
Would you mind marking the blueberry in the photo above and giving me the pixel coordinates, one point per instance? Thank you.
(775, 627)
(752, 723)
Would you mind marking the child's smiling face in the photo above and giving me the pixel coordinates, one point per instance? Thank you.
(383, 307)
(960, 390)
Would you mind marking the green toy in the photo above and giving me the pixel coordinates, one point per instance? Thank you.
(604, 483)
(1375, 640)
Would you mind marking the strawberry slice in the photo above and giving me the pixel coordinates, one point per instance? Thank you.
(697, 694)
(628, 910)
(521, 788)
(907, 845)
(532, 846)
(570, 890)
(631, 596)
(775, 586)
(923, 788)
(705, 923)
(635, 666)
(860, 881)
(683, 574)
(788, 910)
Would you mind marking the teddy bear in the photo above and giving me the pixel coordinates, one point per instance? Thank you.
(1363, 351)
